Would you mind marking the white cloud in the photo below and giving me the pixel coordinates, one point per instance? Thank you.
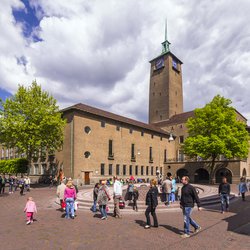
(97, 52)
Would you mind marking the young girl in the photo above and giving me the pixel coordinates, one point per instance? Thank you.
(30, 209)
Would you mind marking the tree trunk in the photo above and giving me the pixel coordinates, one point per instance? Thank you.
(211, 174)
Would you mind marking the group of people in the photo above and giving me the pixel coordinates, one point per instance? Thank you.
(66, 192)
(169, 190)
(14, 183)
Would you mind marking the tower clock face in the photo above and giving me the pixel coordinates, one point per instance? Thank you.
(159, 63)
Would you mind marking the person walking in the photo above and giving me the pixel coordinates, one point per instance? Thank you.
(188, 197)
(21, 185)
(30, 209)
(70, 197)
(151, 202)
(60, 194)
(242, 188)
(224, 192)
(173, 190)
(11, 183)
(130, 190)
(102, 199)
(95, 194)
(3, 182)
(117, 196)
(135, 198)
(166, 189)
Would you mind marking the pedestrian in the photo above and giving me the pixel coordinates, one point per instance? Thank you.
(135, 198)
(21, 185)
(130, 190)
(69, 198)
(102, 199)
(3, 182)
(224, 192)
(95, 194)
(15, 183)
(188, 197)
(27, 183)
(242, 188)
(11, 183)
(30, 209)
(151, 202)
(166, 189)
(60, 194)
(248, 184)
(173, 190)
(117, 196)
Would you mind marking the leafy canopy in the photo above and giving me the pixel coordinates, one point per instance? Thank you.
(30, 119)
(215, 131)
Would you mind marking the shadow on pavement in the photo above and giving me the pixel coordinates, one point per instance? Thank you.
(173, 229)
(240, 221)
(141, 223)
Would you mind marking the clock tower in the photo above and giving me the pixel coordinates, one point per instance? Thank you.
(165, 93)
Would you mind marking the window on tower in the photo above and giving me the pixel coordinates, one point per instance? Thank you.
(175, 65)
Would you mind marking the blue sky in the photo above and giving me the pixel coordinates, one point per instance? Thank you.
(97, 52)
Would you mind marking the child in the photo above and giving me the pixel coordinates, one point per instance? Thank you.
(30, 209)
(135, 198)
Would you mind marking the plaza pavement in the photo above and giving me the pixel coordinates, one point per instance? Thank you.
(51, 231)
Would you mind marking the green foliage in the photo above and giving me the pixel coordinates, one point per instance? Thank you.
(30, 120)
(14, 166)
(215, 131)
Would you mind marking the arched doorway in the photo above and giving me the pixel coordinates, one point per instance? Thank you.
(244, 172)
(223, 172)
(181, 172)
(201, 175)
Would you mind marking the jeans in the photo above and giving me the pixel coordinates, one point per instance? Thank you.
(151, 210)
(70, 207)
(94, 206)
(224, 198)
(173, 196)
(188, 220)
(103, 211)
(10, 188)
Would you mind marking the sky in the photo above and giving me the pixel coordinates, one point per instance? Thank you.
(97, 52)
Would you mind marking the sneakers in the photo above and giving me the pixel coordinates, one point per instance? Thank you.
(28, 222)
(197, 230)
(104, 218)
(185, 236)
(147, 227)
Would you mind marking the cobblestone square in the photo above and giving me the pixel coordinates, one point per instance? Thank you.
(51, 231)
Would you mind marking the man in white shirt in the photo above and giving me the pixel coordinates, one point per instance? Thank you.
(117, 196)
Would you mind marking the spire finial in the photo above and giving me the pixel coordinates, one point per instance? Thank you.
(166, 43)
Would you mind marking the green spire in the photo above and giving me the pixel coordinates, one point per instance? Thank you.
(166, 43)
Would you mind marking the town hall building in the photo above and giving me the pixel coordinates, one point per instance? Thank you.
(99, 144)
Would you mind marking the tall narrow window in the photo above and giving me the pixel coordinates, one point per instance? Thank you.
(165, 155)
(132, 152)
(136, 170)
(124, 170)
(142, 170)
(147, 168)
(161, 170)
(103, 124)
(110, 169)
(111, 154)
(150, 154)
(117, 169)
(152, 170)
(130, 170)
(102, 169)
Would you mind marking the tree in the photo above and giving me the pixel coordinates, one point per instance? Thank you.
(215, 131)
(30, 121)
